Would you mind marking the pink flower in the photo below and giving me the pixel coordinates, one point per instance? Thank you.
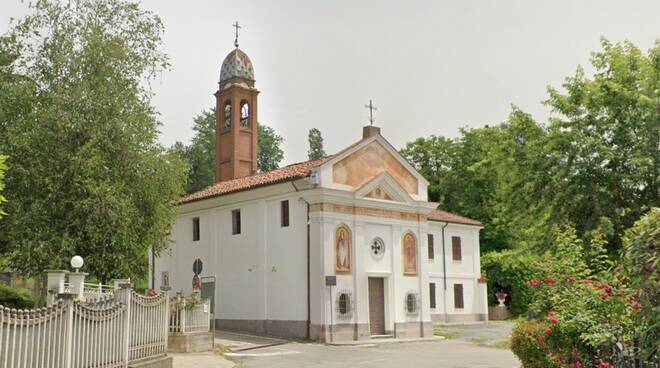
(541, 339)
(535, 282)
(588, 282)
(635, 305)
(576, 365)
(550, 280)
(548, 330)
(554, 320)
(152, 292)
(605, 365)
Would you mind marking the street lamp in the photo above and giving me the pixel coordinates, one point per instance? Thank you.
(77, 262)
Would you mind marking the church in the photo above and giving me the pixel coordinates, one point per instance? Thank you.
(346, 247)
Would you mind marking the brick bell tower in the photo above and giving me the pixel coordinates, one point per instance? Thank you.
(236, 128)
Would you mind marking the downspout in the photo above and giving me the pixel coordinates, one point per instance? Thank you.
(444, 272)
(309, 305)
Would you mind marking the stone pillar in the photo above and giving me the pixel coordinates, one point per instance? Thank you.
(54, 285)
(67, 298)
(77, 281)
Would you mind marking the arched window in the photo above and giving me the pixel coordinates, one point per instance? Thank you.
(245, 114)
(228, 114)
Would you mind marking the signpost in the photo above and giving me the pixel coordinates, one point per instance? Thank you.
(331, 281)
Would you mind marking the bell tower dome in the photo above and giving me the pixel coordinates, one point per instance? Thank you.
(236, 128)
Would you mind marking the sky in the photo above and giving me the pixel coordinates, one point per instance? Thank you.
(431, 67)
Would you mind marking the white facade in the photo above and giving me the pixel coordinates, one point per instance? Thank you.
(272, 279)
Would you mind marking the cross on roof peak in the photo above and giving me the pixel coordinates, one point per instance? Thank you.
(236, 28)
(371, 108)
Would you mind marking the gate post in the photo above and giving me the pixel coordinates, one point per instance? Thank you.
(68, 333)
(124, 296)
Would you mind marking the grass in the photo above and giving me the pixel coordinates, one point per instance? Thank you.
(502, 344)
(446, 334)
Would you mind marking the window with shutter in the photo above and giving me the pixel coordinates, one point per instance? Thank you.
(236, 221)
(458, 296)
(432, 294)
(284, 213)
(456, 248)
(195, 223)
(430, 245)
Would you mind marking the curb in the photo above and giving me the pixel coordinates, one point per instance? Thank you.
(384, 341)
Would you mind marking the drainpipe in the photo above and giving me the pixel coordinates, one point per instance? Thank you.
(309, 305)
(444, 272)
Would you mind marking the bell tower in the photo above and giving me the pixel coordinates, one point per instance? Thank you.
(236, 127)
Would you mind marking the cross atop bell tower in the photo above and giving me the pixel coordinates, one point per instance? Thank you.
(236, 129)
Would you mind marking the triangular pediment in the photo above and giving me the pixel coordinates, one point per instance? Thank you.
(384, 187)
(370, 159)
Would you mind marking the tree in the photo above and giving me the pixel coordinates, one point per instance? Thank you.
(270, 151)
(315, 151)
(88, 176)
(3, 168)
(200, 154)
(603, 140)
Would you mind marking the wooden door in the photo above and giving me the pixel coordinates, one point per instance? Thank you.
(376, 306)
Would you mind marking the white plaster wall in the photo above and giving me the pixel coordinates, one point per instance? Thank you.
(286, 255)
(261, 273)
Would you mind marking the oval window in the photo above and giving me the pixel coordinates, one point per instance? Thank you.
(344, 302)
(411, 303)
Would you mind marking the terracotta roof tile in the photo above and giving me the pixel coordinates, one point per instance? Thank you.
(287, 173)
(440, 215)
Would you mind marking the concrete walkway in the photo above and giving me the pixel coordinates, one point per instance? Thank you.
(200, 360)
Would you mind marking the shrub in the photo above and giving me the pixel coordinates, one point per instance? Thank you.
(525, 344)
(509, 270)
(15, 297)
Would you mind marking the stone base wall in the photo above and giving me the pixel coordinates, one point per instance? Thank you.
(290, 329)
(409, 330)
(498, 313)
(458, 318)
(342, 332)
(190, 342)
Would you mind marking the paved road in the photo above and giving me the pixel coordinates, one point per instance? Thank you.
(479, 333)
(431, 354)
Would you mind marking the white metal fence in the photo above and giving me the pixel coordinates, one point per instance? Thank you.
(187, 316)
(110, 331)
(149, 319)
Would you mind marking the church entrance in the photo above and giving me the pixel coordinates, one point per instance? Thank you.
(376, 306)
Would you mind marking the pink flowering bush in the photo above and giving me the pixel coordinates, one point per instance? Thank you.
(582, 317)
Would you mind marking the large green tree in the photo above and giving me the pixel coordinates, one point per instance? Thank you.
(604, 140)
(315, 140)
(3, 168)
(200, 154)
(594, 165)
(88, 176)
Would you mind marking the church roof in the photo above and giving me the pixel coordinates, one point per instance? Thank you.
(286, 173)
(444, 216)
(236, 64)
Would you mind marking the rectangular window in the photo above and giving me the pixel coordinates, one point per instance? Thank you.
(432, 294)
(458, 296)
(456, 248)
(195, 224)
(284, 213)
(430, 245)
(236, 221)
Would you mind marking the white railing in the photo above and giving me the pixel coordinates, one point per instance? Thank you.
(190, 316)
(97, 331)
(111, 331)
(149, 316)
(33, 338)
(96, 291)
